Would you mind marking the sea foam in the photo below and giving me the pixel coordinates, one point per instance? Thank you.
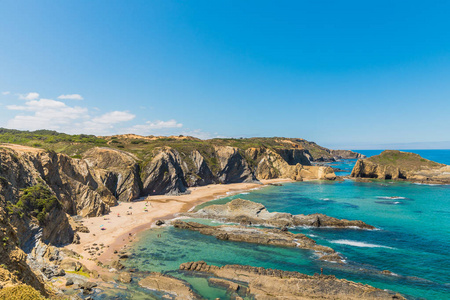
(359, 244)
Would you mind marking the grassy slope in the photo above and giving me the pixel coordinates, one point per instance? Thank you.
(142, 147)
(403, 160)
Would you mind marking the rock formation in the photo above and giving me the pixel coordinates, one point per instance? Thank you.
(397, 165)
(117, 170)
(164, 174)
(69, 179)
(346, 154)
(173, 288)
(233, 167)
(14, 269)
(260, 236)
(271, 164)
(248, 212)
(267, 284)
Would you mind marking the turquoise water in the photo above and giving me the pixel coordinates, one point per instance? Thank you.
(412, 239)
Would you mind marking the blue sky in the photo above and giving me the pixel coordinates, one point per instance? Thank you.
(345, 74)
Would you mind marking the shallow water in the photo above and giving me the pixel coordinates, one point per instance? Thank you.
(412, 239)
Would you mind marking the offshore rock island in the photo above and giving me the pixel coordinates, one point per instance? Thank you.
(57, 191)
(398, 165)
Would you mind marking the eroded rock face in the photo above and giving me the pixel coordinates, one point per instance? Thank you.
(117, 170)
(233, 167)
(260, 236)
(173, 287)
(398, 165)
(13, 258)
(201, 173)
(271, 164)
(346, 154)
(265, 284)
(248, 212)
(69, 179)
(164, 174)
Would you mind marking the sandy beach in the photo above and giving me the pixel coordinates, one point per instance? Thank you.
(118, 228)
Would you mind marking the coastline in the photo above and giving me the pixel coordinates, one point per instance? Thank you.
(121, 228)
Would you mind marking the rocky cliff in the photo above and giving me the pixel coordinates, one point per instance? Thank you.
(346, 154)
(398, 165)
(14, 268)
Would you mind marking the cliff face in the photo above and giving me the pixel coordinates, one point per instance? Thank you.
(117, 170)
(270, 164)
(14, 268)
(164, 174)
(397, 165)
(69, 179)
(346, 154)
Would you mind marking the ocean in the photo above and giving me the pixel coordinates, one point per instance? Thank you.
(412, 239)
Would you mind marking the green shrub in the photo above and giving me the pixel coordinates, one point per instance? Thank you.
(38, 201)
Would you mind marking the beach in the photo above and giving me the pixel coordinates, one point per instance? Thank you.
(118, 229)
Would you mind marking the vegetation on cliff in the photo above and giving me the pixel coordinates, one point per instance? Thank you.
(20, 292)
(37, 201)
(398, 165)
(143, 146)
(405, 160)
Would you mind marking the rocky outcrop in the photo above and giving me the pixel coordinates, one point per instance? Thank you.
(164, 174)
(117, 170)
(14, 269)
(69, 179)
(274, 237)
(201, 174)
(251, 213)
(271, 164)
(397, 165)
(171, 287)
(233, 167)
(267, 284)
(346, 154)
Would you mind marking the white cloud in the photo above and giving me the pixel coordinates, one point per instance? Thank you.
(29, 96)
(6, 93)
(198, 133)
(114, 117)
(150, 126)
(71, 97)
(46, 114)
(56, 115)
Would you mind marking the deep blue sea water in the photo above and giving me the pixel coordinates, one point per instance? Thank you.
(412, 240)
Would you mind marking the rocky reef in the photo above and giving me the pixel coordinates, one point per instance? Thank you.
(250, 213)
(275, 237)
(398, 165)
(266, 284)
(171, 287)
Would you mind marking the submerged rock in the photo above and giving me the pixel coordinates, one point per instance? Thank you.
(252, 213)
(262, 284)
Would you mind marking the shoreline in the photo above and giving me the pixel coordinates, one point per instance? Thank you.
(121, 227)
